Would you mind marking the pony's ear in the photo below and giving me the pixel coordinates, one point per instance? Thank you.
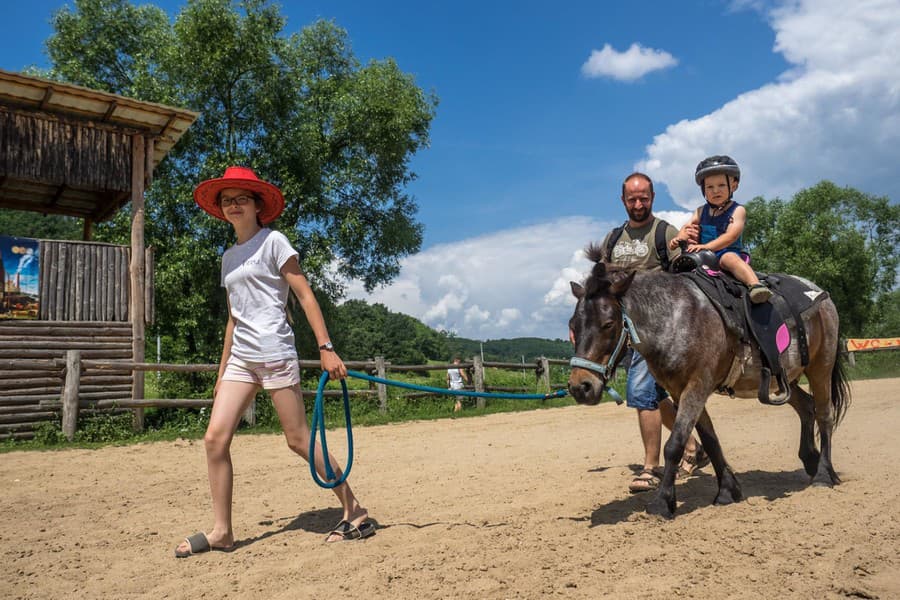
(577, 289)
(621, 285)
(599, 270)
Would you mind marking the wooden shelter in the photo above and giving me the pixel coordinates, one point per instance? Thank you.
(70, 150)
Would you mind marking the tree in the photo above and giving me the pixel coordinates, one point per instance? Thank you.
(840, 238)
(335, 136)
(367, 330)
(18, 223)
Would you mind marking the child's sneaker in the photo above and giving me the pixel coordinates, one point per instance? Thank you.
(759, 293)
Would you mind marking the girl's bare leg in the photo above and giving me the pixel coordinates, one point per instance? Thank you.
(292, 413)
(232, 400)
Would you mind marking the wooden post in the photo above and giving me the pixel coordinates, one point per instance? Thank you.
(87, 229)
(545, 374)
(70, 393)
(138, 167)
(382, 389)
(478, 368)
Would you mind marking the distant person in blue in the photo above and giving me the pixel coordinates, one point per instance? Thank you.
(720, 223)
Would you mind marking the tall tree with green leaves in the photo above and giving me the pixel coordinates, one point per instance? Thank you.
(840, 238)
(336, 136)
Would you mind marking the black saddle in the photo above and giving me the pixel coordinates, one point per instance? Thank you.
(764, 325)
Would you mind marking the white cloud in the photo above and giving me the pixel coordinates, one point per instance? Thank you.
(675, 217)
(511, 283)
(834, 115)
(632, 64)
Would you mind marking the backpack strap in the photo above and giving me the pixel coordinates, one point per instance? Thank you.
(661, 251)
(614, 236)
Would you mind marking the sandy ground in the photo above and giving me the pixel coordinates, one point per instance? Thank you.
(526, 505)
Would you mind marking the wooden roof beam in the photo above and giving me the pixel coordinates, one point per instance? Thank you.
(109, 111)
(60, 190)
(48, 93)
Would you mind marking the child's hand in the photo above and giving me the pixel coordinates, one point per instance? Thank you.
(691, 233)
(696, 247)
(674, 243)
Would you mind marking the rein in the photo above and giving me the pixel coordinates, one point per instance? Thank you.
(318, 418)
(605, 370)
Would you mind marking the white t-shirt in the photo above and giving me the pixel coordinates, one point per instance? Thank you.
(258, 293)
(456, 380)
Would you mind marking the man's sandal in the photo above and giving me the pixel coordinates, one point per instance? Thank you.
(645, 481)
(690, 464)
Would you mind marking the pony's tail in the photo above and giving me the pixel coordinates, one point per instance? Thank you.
(840, 388)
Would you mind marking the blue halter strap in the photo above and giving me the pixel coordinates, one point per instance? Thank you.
(605, 370)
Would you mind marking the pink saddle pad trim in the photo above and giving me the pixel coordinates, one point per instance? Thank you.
(782, 338)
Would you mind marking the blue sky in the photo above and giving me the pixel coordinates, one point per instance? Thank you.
(545, 107)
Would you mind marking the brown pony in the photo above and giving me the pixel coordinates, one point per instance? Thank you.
(691, 354)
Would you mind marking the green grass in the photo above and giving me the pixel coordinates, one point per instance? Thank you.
(167, 424)
(874, 365)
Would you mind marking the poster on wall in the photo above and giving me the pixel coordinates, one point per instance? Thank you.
(19, 277)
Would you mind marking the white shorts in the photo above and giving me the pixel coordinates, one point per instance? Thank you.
(268, 375)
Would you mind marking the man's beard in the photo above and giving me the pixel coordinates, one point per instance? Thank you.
(638, 214)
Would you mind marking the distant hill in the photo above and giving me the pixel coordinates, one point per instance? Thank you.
(510, 350)
(362, 331)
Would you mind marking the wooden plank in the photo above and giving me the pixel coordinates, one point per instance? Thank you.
(60, 297)
(136, 366)
(79, 283)
(63, 344)
(122, 283)
(48, 354)
(24, 386)
(15, 364)
(110, 284)
(65, 329)
(48, 292)
(27, 417)
(71, 276)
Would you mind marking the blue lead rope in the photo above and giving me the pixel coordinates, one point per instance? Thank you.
(318, 424)
(318, 419)
(425, 388)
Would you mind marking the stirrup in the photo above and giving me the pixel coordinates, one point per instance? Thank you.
(784, 390)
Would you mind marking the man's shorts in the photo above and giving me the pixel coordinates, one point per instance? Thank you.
(641, 390)
(268, 375)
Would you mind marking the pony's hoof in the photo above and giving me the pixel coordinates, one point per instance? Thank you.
(727, 497)
(661, 509)
(826, 481)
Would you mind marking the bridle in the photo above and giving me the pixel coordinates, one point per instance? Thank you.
(606, 370)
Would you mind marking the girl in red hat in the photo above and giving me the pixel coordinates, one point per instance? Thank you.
(258, 273)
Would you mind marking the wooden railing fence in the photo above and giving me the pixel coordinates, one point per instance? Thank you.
(72, 401)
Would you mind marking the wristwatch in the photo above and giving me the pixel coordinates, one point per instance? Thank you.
(327, 347)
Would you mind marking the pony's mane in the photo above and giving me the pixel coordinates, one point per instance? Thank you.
(602, 275)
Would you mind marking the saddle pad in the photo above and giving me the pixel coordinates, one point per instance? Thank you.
(727, 295)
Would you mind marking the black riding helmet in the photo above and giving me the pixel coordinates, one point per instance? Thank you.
(717, 165)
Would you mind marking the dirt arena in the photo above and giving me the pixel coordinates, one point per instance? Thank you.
(526, 505)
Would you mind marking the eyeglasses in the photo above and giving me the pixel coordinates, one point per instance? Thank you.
(237, 200)
(633, 201)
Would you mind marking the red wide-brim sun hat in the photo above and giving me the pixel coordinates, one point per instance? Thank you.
(206, 195)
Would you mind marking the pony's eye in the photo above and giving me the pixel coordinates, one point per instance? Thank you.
(608, 325)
